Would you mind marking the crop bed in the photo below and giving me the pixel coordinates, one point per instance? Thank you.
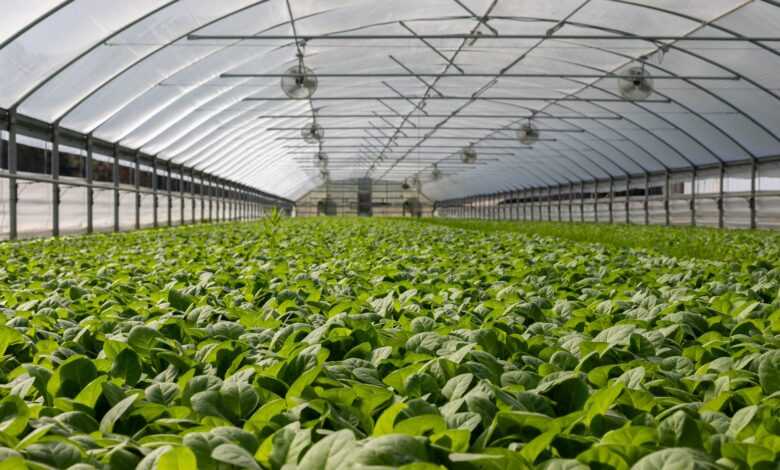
(370, 344)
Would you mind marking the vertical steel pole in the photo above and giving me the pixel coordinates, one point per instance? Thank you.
(647, 199)
(202, 199)
(721, 202)
(549, 203)
(571, 202)
(693, 198)
(90, 189)
(155, 200)
(168, 190)
(55, 176)
(667, 187)
(596, 200)
(752, 202)
(210, 192)
(193, 202)
(611, 199)
(181, 195)
(137, 182)
(560, 203)
(115, 183)
(582, 201)
(13, 193)
(627, 200)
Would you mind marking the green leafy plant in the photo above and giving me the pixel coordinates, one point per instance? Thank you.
(372, 344)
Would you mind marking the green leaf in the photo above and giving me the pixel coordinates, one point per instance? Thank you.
(769, 372)
(232, 454)
(14, 415)
(9, 336)
(332, 452)
(179, 300)
(421, 425)
(114, 414)
(127, 365)
(178, 458)
(676, 459)
(239, 398)
(142, 339)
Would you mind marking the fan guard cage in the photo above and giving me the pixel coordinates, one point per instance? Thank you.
(299, 82)
(312, 133)
(528, 134)
(636, 84)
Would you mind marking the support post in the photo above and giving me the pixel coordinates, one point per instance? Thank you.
(181, 195)
(647, 199)
(596, 200)
(571, 202)
(693, 198)
(90, 189)
(193, 199)
(667, 186)
(752, 202)
(137, 181)
(582, 201)
(115, 183)
(721, 202)
(155, 200)
(560, 203)
(549, 203)
(168, 190)
(55, 176)
(627, 200)
(13, 193)
(611, 199)
(202, 199)
(524, 201)
(210, 193)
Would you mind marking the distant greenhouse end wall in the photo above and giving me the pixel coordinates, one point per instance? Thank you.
(386, 199)
(735, 196)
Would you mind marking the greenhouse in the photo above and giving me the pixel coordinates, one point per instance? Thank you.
(374, 235)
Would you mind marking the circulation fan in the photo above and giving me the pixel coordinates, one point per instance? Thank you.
(324, 174)
(312, 133)
(636, 84)
(405, 185)
(436, 173)
(528, 134)
(299, 82)
(321, 160)
(468, 155)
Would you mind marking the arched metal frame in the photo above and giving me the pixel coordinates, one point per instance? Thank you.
(232, 141)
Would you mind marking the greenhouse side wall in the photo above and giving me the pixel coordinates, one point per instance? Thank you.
(735, 196)
(56, 189)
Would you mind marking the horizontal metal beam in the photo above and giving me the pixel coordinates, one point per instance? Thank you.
(496, 147)
(565, 37)
(433, 137)
(457, 98)
(343, 152)
(443, 128)
(471, 75)
(438, 116)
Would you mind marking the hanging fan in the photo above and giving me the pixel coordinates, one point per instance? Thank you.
(415, 181)
(436, 173)
(528, 134)
(405, 185)
(468, 155)
(312, 133)
(299, 82)
(321, 160)
(325, 174)
(636, 84)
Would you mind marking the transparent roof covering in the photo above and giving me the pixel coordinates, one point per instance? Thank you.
(404, 85)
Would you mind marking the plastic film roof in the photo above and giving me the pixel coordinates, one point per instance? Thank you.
(421, 85)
